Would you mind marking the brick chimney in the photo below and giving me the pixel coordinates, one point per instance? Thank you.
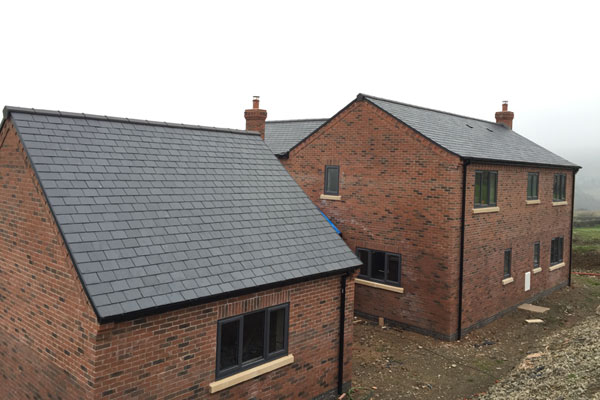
(255, 118)
(505, 117)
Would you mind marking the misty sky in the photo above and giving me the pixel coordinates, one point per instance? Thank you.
(201, 64)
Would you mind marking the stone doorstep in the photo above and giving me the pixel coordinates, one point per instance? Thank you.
(532, 308)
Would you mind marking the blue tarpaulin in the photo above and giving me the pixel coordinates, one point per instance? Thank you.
(331, 223)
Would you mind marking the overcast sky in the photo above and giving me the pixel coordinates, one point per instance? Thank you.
(202, 63)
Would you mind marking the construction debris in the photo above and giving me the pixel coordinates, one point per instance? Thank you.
(532, 308)
(534, 321)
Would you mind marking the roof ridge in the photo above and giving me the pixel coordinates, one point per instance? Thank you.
(425, 108)
(10, 109)
(297, 120)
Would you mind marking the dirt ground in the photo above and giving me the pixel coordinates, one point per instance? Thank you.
(391, 363)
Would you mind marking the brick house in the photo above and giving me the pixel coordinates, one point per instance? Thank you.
(154, 260)
(457, 220)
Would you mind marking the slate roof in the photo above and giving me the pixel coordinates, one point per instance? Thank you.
(281, 136)
(470, 137)
(158, 214)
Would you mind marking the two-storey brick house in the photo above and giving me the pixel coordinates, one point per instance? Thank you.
(457, 220)
(150, 260)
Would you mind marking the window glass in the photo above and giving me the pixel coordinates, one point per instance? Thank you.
(536, 255)
(507, 261)
(532, 186)
(378, 265)
(276, 330)
(253, 336)
(229, 344)
(332, 179)
(363, 255)
(484, 188)
(478, 187)
(393, 268)
(492, 199)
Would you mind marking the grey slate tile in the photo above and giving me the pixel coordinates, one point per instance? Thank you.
(153, 214)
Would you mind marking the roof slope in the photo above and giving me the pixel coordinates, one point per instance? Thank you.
(470, 137)
(281, 136)
(157, 214)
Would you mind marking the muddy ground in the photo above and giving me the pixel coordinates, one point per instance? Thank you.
(391, 363)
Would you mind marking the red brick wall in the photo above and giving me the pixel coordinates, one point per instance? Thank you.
(172, 355)
(517, 226)
(400, 193)
(46, 322)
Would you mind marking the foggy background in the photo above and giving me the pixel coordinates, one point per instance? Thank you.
(201, 62)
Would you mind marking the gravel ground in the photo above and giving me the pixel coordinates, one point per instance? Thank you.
(567, 368)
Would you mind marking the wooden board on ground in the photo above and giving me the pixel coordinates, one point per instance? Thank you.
(534, 321)
(532, 308)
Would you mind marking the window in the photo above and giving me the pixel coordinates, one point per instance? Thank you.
(556, 251)
(380, 266)
(485, 188)
(560, 187)
(332, 180)
(532, 185)
(536, 255)
(507, 262)
(247, 340)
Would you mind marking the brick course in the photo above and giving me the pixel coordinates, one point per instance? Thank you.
(402, 193)
(51, 345)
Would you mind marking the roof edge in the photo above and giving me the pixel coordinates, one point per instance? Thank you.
(523, 163)
(363, 96)
(208, 299)
(296, 120)
(12, 109)
(55, 220)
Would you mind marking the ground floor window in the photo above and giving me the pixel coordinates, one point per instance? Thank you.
(556, 250)
(250, 339)
(536, 255)
(380, 266)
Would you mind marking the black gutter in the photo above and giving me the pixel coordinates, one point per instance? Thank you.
(221, 296)
(342, 331)
(462, 248)
(572, 217)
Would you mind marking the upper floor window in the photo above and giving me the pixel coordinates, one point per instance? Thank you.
(536, 255)
(380, 266)
(556, 250)
(486, 183)
(560, 187)
(332, 180)
(507, 262)
(247, 340)
(532, 185)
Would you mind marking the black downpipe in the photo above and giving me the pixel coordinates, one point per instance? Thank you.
(572, 217)
(342, 326)
(462, 248)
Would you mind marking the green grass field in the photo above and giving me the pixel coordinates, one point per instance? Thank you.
(586, 241)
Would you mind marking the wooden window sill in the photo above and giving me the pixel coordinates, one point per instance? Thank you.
(251, 373)
(508, 280)
(485, 210)
(559, 203)
(330, 197)
(530, 202)
(557, 266)
(537, 270)
(377, 285)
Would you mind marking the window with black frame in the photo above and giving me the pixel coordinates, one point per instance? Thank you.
(536, 255)
(507, 262)
(486, 183)
(560, 187)
(380, 266)
(332, 180)
(556, 250)
(251, 339)
(532, 185)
